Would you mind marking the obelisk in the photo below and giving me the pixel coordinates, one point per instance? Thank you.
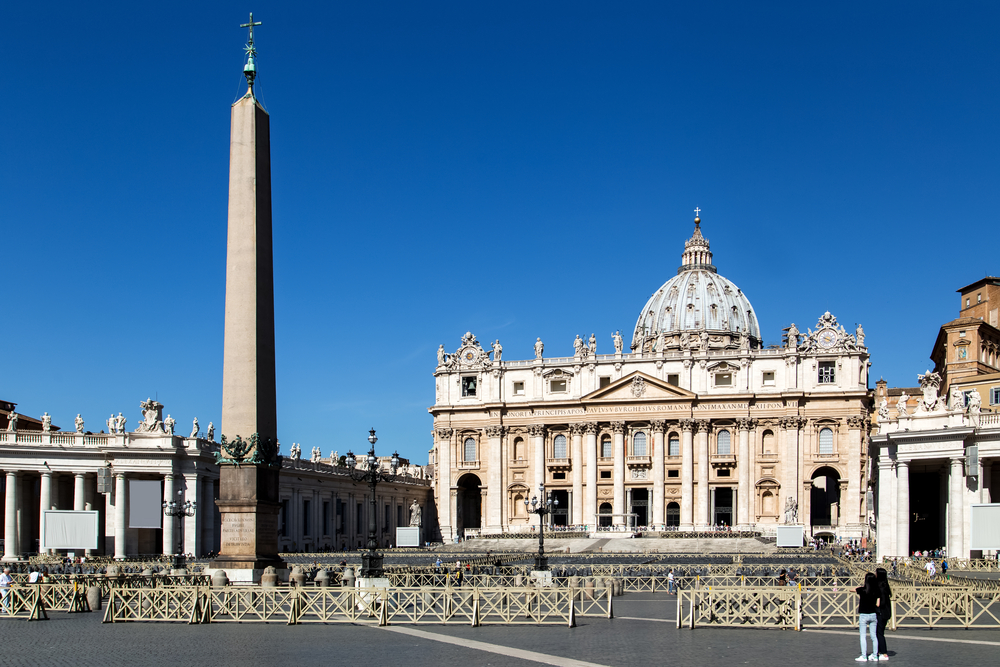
(248, 457)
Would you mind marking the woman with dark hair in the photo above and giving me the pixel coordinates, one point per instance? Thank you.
(884, 611)
(868, 601)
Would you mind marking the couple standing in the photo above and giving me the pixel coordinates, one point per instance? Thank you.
(874, 612)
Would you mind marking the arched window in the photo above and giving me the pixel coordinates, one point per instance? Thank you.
(674, 446)
(673, 514)
(724, 445)
(559, 447)
(767, 443)
(519, 449)
(826, 441)
(605, 509)
(606, 452)
(639, 444)
(470, 450)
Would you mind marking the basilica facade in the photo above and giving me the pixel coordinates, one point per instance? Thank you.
(697, 425)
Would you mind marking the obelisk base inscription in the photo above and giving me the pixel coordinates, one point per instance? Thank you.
(249, 508)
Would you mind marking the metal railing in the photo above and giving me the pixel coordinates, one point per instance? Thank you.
(381, 606)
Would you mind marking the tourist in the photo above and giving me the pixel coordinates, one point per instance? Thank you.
(884, 611)
(931, 570)
(33, 576)
(944, 568)
(868, 602)
(5, 581)
(670, 583)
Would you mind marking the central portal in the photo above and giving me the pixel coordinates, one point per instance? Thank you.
(722, 514)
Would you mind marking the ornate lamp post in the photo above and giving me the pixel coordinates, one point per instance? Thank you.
(175, 508)
(541, 508)
(371, 562)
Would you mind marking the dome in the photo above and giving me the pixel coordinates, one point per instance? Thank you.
(696, 300)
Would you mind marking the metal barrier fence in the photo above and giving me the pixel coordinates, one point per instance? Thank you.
(33, 601)
(382, 606)
(786, 607)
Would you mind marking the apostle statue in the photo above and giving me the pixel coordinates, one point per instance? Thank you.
(539, 348)
(46, 422)
(975, 405)
(901, 405)
(194, 428)
(791, 510)
(497, 350)
(593, 344)
(577, 346)
(120, 423)
(883, 410)
(169, 423)
(415, 513)
(211, 432)
(859, 335)
(619, 343)
(112, 424)
(78, 422)
(442, 355)
(12, 422)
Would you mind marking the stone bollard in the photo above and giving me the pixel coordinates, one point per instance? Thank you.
(219, 579)
(574, 585)
(297, 577)
(519, 581)
(270, 577)
(94, 598)
(347, 579)
(322, 578)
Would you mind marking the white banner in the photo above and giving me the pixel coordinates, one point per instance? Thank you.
(985, 527)
(145, 503)
(69, 529)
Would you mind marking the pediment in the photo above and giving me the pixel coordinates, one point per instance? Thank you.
(638, 386)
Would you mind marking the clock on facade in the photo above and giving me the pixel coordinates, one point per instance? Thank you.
(827, 338)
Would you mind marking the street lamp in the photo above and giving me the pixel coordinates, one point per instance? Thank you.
(541, 508)
(371, 561)
(174, 508)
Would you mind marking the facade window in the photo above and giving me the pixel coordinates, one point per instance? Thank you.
(768, 379)
(469, 386)
(673, 473)
(674, 379)
(673, 445)
(306, 506)
(994, 395)
(639, 444)
(559, 447)
(558, 475)
(966, 302)
(605, 381)
(469, 451)
(606, 452)
(723, 472)
(826, 441)
(723, 379)
(605, 474)
(827, 372)
(557, 386)
(724, 445)
(519, 389)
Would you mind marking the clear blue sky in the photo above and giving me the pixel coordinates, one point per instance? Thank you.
(517, 169)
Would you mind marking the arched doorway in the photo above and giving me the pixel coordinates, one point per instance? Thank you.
(640, 506)
(673, 515)
(469, 503)
(605, 514)
(824, 498)
(560, 512)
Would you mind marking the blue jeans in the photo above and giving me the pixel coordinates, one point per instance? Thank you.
(869, 621)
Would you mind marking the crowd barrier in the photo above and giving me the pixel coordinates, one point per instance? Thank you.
(798, 608)
(381, 606)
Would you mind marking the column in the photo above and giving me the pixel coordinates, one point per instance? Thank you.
(44, 503)
(538, 446)
(576, 512)
(884, 533)
(169, 522)
(742, 513)
(851, 510)
(687, 475)
(657, 519)
(206, 508)
(903, 507)
(805, 509)
(590, 509)
(444, 436)
(121, 489)
(618, 503)
(703, 513)
(192, 524)
(79, 491)
(956, 482)
(494, 499)
(10, 551)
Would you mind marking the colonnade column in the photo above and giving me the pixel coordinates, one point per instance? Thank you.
(702, 517)
(121, 489)
(902, 507)
(79, 491)
(657, 520)
(10, 550)
(618, 503)
(851, 510)
(169, 522)
(443, 491)
(956, 482)
(537, 432)
(192, 524)
(589, 515)
(576, 431)
(44, 503)
(687, 475)
(743, 469)
(494, 484)
(884, 533)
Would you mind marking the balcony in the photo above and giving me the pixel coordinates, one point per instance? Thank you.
(639, 461)
(468, 465)
(518, 463)
(723, 460)
(558, 464)
(605, 461)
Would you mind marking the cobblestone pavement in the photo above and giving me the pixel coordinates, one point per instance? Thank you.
(81, 639)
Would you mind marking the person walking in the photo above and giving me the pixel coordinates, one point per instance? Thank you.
(884, 611)
(868, 616)
(5, 581)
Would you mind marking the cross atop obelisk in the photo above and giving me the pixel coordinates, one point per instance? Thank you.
(250, 69)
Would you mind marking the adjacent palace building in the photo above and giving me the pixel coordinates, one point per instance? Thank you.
(699, 425)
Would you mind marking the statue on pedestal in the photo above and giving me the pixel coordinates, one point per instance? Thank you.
(12, 422)
(415, 514)
(120, 423)
(169, 423)
(901, 405)
(211, 432)
(975, 405)
(539, 348)
(78, 422)
(791, 510)
(497, 350)
(883, 410)
(194, 428)
(619, 342)
(593, 344)
(46, 422)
